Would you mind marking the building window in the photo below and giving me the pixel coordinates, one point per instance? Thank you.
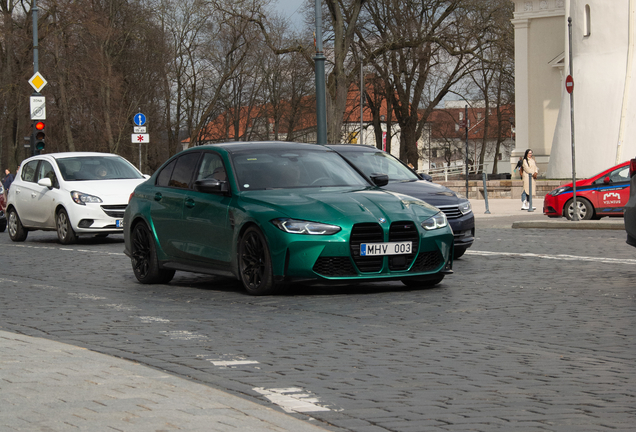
(479, 115)
(461, 115)
(588, 22)
(456, 127)
(499, 156)
(434, 152)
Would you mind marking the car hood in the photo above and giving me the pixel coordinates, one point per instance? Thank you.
(334, 204)
(108, 190)
(432, 193)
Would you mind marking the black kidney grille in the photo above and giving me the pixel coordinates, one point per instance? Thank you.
(427, 261)
(366, 233)
(334, 266)
(399, 232)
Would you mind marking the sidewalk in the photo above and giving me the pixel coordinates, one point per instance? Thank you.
(511, 207)
(46, 385)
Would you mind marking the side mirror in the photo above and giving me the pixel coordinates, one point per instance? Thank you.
(379, 179)
(45, 182)
(212, 185)
(146, 176)
(606, 180)
(426, 177)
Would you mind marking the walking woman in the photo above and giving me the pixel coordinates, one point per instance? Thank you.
(529, 169)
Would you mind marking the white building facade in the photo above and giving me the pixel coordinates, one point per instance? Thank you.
(604, 96)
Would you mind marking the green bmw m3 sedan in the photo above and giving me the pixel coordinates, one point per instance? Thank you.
(272, 213)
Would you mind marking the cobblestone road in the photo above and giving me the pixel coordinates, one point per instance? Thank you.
(534, 332)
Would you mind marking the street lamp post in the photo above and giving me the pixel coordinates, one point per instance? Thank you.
(321, 98)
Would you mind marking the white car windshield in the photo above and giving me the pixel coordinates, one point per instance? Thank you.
(96, 168)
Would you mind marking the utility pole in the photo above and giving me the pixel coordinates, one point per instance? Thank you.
(575, 208)
(321, 98)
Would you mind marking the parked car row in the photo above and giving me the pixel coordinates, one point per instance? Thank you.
(265, 213)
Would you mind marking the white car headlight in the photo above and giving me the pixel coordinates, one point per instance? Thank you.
(82, 198)
(465, 207)
(295, 226)
(435, 222)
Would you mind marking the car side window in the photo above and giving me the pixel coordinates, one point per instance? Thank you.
(620, 175)
(211, 167)
(28, 171)
(163, 178)
(183, 170)
(45, 170)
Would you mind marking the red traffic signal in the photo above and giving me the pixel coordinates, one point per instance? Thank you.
(40, 125)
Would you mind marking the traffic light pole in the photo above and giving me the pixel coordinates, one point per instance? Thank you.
(36, 67)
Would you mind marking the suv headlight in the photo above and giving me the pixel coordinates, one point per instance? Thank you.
(82, 198)
(435, 222)
(465, 207)
(295, 226)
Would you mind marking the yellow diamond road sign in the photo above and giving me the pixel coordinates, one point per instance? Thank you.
(37, 81)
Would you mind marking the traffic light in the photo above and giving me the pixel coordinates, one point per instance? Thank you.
(38, 130)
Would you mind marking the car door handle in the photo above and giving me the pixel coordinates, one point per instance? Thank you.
(158, 196)
(189, 202)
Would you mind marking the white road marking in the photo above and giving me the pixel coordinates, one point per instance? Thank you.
(233, 362)
(183, 335)
(292, 399)
(86, 296)
(555, 257)
(151, 319)
(68, 249)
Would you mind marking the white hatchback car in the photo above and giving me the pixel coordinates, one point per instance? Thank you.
(73, 193)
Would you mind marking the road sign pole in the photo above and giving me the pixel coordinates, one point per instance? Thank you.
(575, 209)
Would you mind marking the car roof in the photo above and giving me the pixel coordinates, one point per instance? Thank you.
(356, 147)
(237, 146)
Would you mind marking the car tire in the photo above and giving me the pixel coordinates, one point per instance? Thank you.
(255, 263)
(458, 252)
(144, 257)
(423, 282)
(17, 232)
(65, 233)
(585, 209)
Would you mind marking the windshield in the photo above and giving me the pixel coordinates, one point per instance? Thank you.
(376, 162)
(96, 168)
(293, 168)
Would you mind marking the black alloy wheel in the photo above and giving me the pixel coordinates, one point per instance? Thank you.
(255, 264)
(144, 257)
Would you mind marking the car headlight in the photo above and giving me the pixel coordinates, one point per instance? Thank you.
(435, 222)
(558, 191)
(465, 207)
(82, 198)
(295, 226)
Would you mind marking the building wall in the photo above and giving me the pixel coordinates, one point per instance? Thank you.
(603, 96)
(538, 42)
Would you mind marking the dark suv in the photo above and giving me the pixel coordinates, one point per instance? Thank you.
(630, 208)
(402, 179)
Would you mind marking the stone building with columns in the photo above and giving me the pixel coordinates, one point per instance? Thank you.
(604, 97)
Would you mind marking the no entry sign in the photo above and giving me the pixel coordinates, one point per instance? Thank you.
(569, 84)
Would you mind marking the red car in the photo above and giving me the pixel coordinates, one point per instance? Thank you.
(604, 194)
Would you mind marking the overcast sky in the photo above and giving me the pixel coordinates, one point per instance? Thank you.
(291, 10)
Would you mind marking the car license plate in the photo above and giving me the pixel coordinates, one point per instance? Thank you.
(390, 248)
(119, 223)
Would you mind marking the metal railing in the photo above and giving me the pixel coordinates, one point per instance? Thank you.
(444, 172)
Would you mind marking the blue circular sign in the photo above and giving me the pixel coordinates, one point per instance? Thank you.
(139, 119)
